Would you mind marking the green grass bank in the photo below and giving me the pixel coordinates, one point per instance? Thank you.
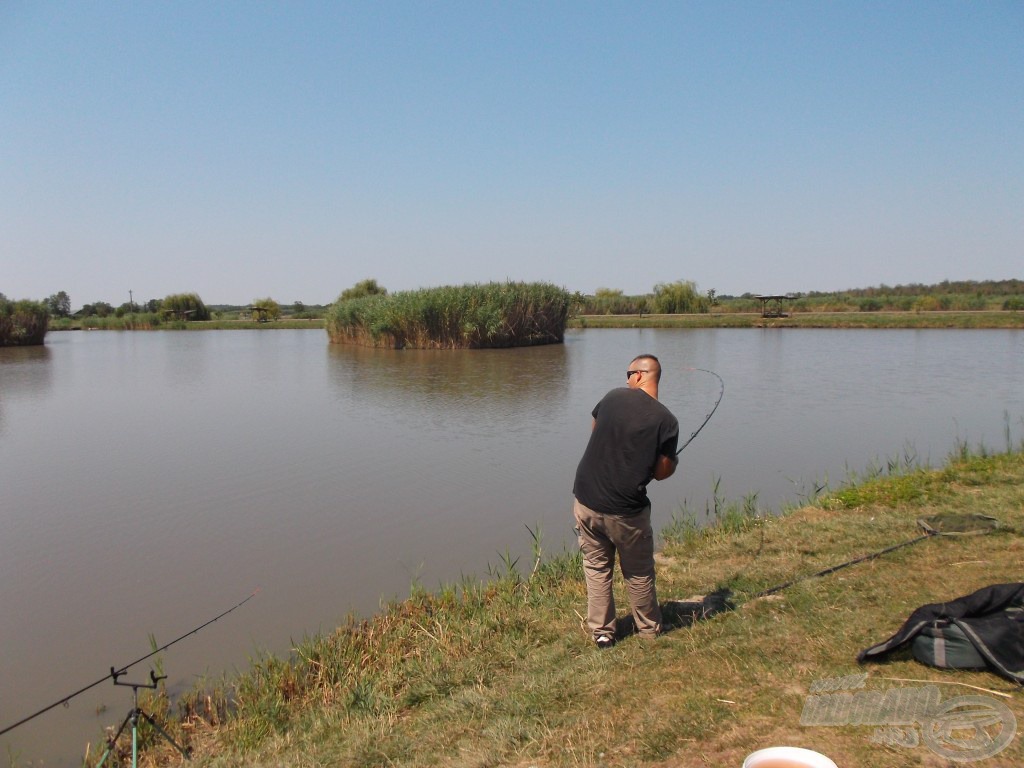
(500, 671)
(150, 321)
(850, 319)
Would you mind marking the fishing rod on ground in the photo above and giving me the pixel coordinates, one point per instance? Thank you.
(834, 568)
(721, 392)
(116, 673)
(940, 525)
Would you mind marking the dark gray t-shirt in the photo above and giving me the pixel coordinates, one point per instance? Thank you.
(631, 430)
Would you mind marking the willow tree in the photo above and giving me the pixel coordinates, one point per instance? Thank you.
(368, 287)
(187, 306)
(679, 298)
(267, 308)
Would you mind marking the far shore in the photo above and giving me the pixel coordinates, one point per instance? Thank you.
(932, 319)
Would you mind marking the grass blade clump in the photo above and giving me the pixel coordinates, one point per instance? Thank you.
(454, 317)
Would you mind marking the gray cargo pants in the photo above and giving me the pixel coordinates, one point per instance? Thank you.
(600, 536)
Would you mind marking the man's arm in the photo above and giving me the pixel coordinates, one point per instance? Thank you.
(665, 466)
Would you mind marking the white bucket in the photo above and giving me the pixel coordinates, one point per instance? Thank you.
(787, 757)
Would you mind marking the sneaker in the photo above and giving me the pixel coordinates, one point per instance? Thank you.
(604, 641)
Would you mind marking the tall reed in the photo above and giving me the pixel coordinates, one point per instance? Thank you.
(22, 323)
(454, 317)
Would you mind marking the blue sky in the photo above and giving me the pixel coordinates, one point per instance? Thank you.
(251, 149)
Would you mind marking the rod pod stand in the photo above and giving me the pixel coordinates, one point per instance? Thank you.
(133, 718)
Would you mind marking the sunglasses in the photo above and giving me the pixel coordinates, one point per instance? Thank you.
(629, 374)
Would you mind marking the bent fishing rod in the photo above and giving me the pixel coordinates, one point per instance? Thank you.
(721, 392)
(115, 673)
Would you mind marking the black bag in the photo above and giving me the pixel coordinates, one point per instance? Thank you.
(991, 620)
(944, 644)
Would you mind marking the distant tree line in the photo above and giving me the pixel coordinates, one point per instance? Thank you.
(682, 297)
(962, 296)
(679, 297)
(946, 287)
(172, 309)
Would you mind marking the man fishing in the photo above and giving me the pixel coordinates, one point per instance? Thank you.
(632, 441)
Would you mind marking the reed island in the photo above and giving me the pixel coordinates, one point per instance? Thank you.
(473, 316)
(22, 323)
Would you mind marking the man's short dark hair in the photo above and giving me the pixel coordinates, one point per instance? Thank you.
(655, 368)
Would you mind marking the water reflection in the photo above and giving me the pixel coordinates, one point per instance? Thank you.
(185, 358)
(480, 390)
(23, 371)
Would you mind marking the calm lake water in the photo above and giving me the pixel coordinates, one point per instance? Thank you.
(150, 481)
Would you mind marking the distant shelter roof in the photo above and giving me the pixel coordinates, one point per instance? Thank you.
(771, 304)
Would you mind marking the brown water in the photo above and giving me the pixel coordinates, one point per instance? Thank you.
(150, 481)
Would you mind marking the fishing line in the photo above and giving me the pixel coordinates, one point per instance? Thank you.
(721, 392)
(115, 673)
